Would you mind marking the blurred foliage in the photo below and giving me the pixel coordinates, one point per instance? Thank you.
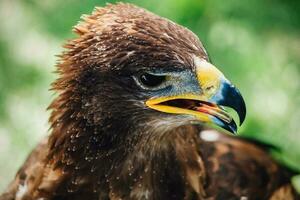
(256, 43)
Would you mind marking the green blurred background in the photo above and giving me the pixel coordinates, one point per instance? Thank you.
(256, 43)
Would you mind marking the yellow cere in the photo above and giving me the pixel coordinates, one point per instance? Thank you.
(209, 76)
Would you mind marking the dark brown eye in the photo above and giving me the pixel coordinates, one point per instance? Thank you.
(150, 80)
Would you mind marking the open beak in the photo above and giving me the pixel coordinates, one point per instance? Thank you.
(206, 105)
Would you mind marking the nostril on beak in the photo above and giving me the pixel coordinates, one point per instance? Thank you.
(208, 88)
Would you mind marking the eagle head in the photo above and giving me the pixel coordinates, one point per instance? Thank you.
(132, 73)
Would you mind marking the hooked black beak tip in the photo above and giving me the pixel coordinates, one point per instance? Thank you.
(232, 98)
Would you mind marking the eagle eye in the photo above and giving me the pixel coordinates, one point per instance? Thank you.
(148, 80)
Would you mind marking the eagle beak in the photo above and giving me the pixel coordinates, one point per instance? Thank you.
(206, 104)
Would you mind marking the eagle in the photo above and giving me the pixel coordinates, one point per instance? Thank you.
(135, 92)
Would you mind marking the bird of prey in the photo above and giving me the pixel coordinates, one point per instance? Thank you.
(134, 92)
